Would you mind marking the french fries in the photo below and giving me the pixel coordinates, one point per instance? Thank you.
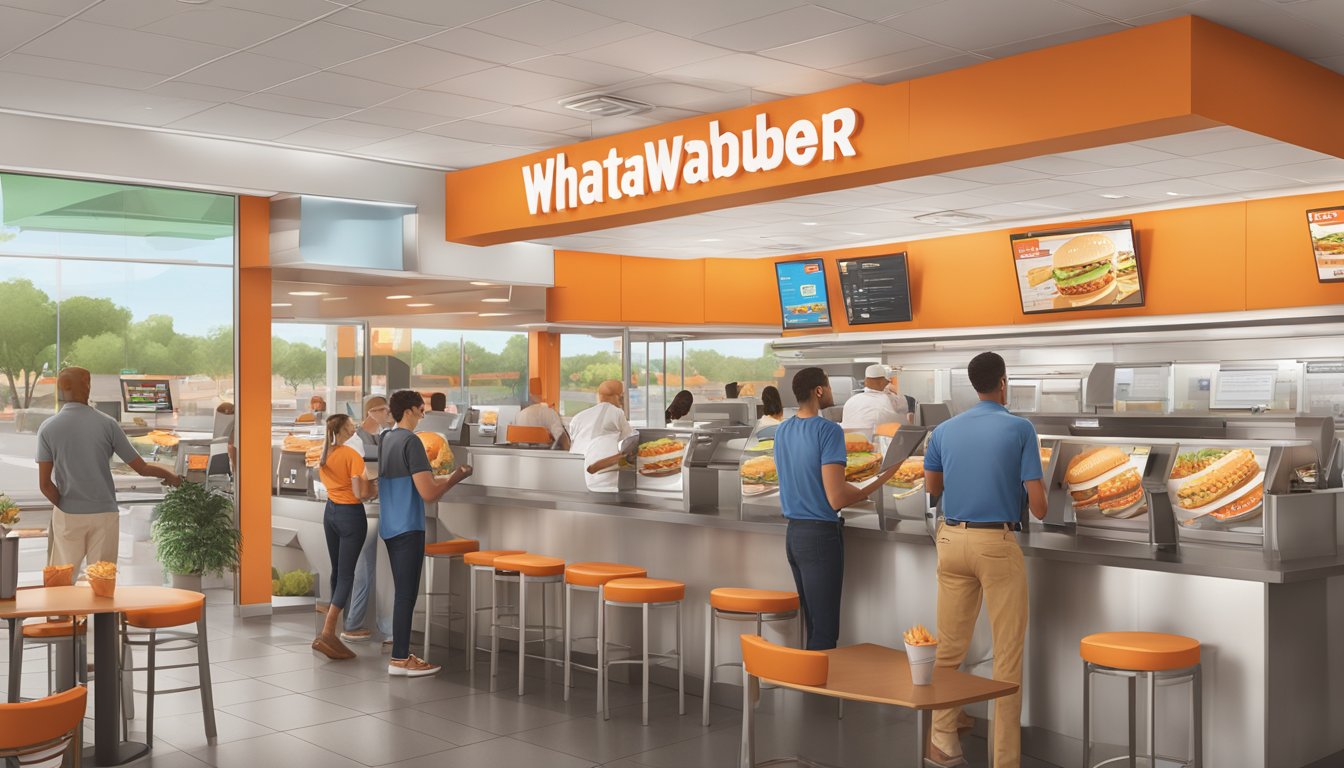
(918, 635)
(101, 570)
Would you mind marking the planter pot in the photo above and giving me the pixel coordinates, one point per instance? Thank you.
(189, 581)
(9, 565)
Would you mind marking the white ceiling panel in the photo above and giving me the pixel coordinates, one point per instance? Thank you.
(100, 44)
(1249, 181)
(1120, 155)
(1204, 142)
(686, 17)
(599, 37)
(316, 137)
(481, 45)
(292, 106)
(449, 105)
(382, 24)
(441, 12)
(1057, 38)
(55, 7)
(975, 24)
(651, 52)
(234, 120)
(1119, 177)
(411, 66)
(935, 185)
(1054, 165)
(574, 68)
(369, 131)
(397, 118)
(63, 97)
(221, 26)
(298, 10)
(778, 29)
(62, 69)
(18, 26)
(247, 72)
(1264, 156)
(848, 46)
(1127, 9)
(1165, 191)
(533, 119)
(333, 88)
(1269, 21)
(872, 10)
(1319, 172)
(759, 72)
(541, 22)
(1186, 167)
(132, 14)
(672, 94)
(885, 66)
(516, 84)
(930, 68)
(322, 45)
(996, 174)
(486, 133)
(195, 92)
(1031, 190)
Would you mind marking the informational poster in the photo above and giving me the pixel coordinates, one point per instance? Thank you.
(875, 289)
(1146, 384)
(1327, 242)
(147, 395)
(1244, 387)
(1076, 269)
(802, 294)
(1325, 388)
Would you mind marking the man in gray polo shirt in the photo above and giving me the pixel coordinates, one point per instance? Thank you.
(74, 451)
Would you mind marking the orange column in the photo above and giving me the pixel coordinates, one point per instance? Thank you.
(253, 336)
(543, 366)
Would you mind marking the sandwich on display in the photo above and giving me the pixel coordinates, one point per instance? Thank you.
(1217, 487)
(1327, 242)
(1107, 482)
(909, 479)
(861, 458)
(1076, 269)
(661, 457)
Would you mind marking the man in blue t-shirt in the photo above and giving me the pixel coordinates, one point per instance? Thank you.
(406, 483)
(810, 458)
(986, 465)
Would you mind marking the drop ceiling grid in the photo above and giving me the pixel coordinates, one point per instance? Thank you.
(455, 84)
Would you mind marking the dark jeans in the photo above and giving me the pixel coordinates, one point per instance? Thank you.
(346, 528)
(406, 555)
(817, 556)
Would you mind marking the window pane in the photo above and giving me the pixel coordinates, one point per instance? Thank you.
(27, 360)
(586, 362)
(710, 365)
(495, 363)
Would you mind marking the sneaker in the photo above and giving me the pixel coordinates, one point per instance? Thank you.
(412, 666)
(937, 757)
(332, 650)
(357, 636)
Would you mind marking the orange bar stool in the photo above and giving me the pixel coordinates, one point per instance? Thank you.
(36, 732)
(163, 634)
(524, 570)
(762, 659)
(50, 635)
(590, 577)
(762, 606)
(479, 562)
(644, 594)
(1163, 660)
(452, 549)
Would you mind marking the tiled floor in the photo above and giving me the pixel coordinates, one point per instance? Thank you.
(279, 704)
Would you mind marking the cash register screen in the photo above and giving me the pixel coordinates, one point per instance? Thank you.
(147, 395)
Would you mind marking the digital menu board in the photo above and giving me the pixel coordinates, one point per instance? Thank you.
(1327, 242)
(875, 289)
(802, 294)
(1076, 269)
(147, 395)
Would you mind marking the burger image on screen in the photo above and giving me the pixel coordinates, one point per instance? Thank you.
(1103, 479)
(1084, 268)
(1224, 476)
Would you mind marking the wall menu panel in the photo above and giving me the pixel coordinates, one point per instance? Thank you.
(875, 289)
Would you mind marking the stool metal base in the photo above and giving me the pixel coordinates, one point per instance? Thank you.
(604, 664)
(430, 594)
(1150, 758)
(522, 628)
(712, 614)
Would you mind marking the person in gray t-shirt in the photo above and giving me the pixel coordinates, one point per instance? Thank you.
(74, 451)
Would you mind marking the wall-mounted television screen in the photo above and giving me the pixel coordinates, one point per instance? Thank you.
(1064, 270)
(147, 395)
(1327, 242)
(875, 289)
(802, 294)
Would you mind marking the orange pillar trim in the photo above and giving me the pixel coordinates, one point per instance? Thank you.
(253, 335)
(543, 365)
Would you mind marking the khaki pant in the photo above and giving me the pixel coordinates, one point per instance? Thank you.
(75, 537)
(973, 564)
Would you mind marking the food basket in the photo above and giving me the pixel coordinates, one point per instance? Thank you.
(102, 578)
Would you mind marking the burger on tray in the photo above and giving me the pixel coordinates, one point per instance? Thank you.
(759, 475)
(909, 478)
(1225, 489)
(661, 457)
(1105, 480)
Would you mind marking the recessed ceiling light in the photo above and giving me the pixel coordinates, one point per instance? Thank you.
(496, 301)
(336, 298)
(1112, 196)
(1173, 194)
(307, 293)
(493, 314)
(480, 282)
(282, 304)
(809, 223)
(399, 296)
(417, 305)
(951, 219)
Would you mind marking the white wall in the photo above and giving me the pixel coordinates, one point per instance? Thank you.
(71, 148)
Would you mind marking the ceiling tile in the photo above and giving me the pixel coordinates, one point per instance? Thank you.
(324, 45)
(873, 10)
(196, 92)
(132, 14)
(1127, 9)
(274, 102)
(438, 150)
(931, 68)
(447, 14)
(782, 28)
(848, 46)
(517, 85)
(651, 52)
(1006, 211)
(397, 118)
(1249, 181)
(334, 88)
(320, 139)
(975, 24)
(759, 72)
(1266, 21)
(411, 66)
(246, 72)
(1326, 13)
(1185, 167)
(233, 120)
(382, 24)
(953, 202)
(18, 26)
(996, 174)
(1077, 202)
(1162, 190)
(449, 105)
(221, 26)
(63, 97)
(533, 119)
(60, 69)
(541, 22)
(933, 185)
(60, 8)
(1029, 190)
(1119, 177)
(1263, 156)
(667, 93)
(101, 44)
(1054, 165)
(898, 61)
(1318, 172)
(1204, 142)
(1048, 41)
(480, 45)
(686, 17)
(298, 10)
(370, 131)
(720, 102)
(1335, 63)
(580, 69)
(599, 37)
(485, 133)
(1119, 155)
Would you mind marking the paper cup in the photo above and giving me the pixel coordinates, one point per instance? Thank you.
(922, 658)
(103, 587)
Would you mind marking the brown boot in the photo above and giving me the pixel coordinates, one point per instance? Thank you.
(332, 648)
(937, 757)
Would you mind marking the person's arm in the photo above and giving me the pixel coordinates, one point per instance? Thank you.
(933, 483)
(1036, 498)
(1032, 480)
(431, 489)
(563, 441)
(121, 445)
(45, 483)
(840, 494)
(606, 463)
(145, 469)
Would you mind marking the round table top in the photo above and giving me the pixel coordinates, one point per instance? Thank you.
(81, 601)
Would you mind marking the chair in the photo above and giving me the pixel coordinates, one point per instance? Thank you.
(763, 660)
(523, 570)
(36, 732)
(49, 634)
(590, 577)
(481, 561)
(162, 634)
(643, 594)
(762, 606)
(1162, 659)
(528, 435)
(453, 549)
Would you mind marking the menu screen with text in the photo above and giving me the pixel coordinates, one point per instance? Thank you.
(147, 395)
(1327, 242)
(802, 294)
(876, 289)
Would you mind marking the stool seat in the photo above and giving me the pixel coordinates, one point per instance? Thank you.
(741, 600)
(487, 557)
(452, 547)
(534, 566)
(597, 574)
(1140, 651)
(162, 618)
(644, 590)
(47, 629)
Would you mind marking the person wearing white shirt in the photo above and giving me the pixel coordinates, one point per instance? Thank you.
(902, 403)
(539, 414)
(874, 405)
(597, 432)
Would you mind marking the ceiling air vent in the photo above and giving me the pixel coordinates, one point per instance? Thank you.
(951, 219)
(602, 105)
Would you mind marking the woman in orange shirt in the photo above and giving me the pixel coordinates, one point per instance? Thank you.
(342, 472)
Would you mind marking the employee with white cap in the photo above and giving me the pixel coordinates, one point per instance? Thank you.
(874, 405)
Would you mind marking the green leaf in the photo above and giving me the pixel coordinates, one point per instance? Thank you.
(194, 531)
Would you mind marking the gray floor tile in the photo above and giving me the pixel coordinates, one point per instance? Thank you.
(173, 759)
(275, 749)
(187, 732)
(449, 731)
(272, 665)
(492, 713)
(239, 691)
(372, 741)
(497, 753)
(294, 710)
(623, 735)
(190, 675)
(233, 648)
(371, 696)
(305, 680)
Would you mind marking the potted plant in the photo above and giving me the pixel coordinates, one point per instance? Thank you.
(9, 548)
(194, 533)
(9, 514)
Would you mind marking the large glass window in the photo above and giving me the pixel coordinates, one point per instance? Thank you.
(711, 364)
(313, 359)
(474, 367)
(585, 362)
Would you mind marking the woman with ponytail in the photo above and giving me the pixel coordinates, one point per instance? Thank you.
(342, 471)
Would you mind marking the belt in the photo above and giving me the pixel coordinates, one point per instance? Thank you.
(1003, 526)
(828, 523)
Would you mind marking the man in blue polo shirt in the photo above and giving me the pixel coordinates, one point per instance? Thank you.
(810, 459)
(986, 465)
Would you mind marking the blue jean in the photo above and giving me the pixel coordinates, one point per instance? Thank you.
(816, 552)
(406, 555)
(363, 591)
(346, 527)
